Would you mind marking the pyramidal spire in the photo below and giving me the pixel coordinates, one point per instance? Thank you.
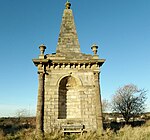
(68, 39)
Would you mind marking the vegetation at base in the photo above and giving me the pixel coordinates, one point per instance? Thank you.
(11, 128)
(24, 129)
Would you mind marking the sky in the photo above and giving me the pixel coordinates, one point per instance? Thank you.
(121, 29)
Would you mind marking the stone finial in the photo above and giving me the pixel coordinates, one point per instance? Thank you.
(42, 49)
(68, 5)
(94, 48)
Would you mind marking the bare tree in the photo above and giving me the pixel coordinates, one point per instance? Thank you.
(105, 105)
(22, 113)
(129, 101)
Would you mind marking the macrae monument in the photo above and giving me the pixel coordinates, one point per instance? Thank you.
(69, 96)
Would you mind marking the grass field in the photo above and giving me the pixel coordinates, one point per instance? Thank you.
(24, 129)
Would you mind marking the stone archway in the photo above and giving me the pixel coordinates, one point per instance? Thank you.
(69, 106)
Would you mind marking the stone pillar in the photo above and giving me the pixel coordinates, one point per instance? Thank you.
(98, 102)
(40, 105)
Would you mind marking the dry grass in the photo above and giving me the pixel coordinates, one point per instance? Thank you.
(125, 133)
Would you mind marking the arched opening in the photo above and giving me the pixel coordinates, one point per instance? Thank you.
(68, 98)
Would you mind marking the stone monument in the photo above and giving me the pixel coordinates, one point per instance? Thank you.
(69, 90)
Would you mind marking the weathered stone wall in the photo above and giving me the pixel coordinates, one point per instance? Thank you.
(79, 99)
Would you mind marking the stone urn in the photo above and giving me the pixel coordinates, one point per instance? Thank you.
(42, 49)
(94, 48)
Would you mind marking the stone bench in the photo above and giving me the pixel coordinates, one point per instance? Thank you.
(73, 128)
